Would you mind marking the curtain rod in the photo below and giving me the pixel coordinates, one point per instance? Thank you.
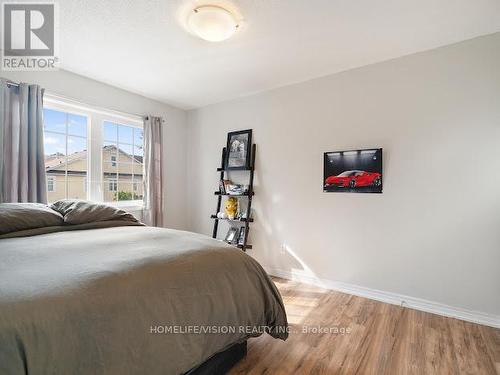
(98, 108)
(51, 96)
(10, 83)
(62, 97)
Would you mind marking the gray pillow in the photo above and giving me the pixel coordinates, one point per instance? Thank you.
(81, 212)
(21, 216)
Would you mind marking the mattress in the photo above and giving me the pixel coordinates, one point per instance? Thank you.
(127, 300)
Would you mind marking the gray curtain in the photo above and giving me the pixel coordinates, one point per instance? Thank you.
(153, 181)
(22, 166)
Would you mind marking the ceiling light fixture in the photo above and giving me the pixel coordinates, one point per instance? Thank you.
(212, 23)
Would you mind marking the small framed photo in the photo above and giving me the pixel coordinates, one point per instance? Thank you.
(235, 189)
(238, 149)
(241, 236)
(232, 235)
(222, 188)
(226, 184)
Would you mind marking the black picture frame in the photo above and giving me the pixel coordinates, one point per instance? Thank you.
(222, 188)
(232, 235)
(353, 171)
(238, 159)
(241, 236)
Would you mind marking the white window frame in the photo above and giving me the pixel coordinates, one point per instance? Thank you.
(95, 119)
(133, 124)
(61, 108)
(113, 181)
(53, 180)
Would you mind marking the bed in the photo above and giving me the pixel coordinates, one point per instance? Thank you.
(86, 288)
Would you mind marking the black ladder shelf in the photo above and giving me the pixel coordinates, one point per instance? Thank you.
(247, 220)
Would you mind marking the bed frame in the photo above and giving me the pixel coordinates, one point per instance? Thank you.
(222, 362)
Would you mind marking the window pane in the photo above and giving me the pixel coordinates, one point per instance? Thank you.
(109, 171)
(138, 136)
(125, 190)
(54, 145)
(139, 151)
(58, 186)
(55, 165)
(109, 152)
(77, 125)
(138, 188)
(77, 145)
(110, 189)
(76, 188)
(122, 169)
(77, 167)
(125, 134)
(110, 168)
(126, 152)
(125, 169)
(54, 121)
(65, 154)
(138, 170)
(110, 132)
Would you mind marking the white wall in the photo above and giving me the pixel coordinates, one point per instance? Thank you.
(434, 233)
(91, 92)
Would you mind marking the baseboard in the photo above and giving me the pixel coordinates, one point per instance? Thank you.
(392, 298)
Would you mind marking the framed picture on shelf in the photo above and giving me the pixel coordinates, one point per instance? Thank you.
(222, 188)
(232, 235)
(226, 184)
(235, 189)
(241, 236)
(238, 148)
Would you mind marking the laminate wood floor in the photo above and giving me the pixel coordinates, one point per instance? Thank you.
(381, 339)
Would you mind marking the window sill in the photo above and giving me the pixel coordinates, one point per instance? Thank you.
(127, 205)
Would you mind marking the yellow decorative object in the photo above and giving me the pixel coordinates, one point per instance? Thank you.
(231, 207)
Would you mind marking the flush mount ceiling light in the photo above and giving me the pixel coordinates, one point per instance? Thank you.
(212, 23)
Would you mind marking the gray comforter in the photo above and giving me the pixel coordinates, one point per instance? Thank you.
(127, 300)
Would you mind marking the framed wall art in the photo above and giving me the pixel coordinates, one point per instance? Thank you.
(354, 171)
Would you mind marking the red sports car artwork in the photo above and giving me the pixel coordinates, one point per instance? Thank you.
(354, 179)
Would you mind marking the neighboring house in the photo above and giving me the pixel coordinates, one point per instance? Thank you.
(121, 180)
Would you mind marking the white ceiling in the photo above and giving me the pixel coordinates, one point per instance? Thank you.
(141, 46)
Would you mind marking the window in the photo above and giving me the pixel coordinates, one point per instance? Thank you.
(122, 156)
(50, 184)
(65, 144)
(112, 185)
(92, 154)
